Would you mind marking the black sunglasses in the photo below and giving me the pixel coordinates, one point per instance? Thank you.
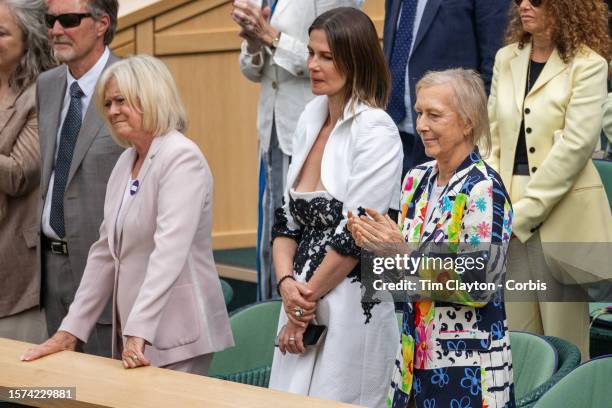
(67, 20)
(534, 3)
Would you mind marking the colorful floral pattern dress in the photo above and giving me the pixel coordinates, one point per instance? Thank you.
(457, 354)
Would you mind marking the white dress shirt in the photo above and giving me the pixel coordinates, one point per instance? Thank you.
(87, 83)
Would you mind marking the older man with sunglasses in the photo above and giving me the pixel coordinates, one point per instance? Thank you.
(77, 152)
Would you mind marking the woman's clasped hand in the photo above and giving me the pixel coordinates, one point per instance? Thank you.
(300, 309)
(297, 302)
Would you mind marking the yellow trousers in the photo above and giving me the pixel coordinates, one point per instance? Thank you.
(567, 320)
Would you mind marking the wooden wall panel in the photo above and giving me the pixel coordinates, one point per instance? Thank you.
(222, 117)
(145, 38)
(125, 50)
(199, 43)
(123, 37)
(193, 13)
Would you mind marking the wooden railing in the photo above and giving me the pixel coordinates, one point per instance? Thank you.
(103, 382)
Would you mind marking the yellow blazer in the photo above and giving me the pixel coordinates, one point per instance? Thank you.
(564, 198)
(607, 118)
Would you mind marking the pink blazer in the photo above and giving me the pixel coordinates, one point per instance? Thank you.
(159, 269)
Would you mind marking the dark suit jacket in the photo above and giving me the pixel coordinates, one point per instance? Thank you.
(93, 160)
(452, 34)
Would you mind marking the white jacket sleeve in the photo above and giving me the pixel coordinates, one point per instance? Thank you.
(375, 173)
(248, 68)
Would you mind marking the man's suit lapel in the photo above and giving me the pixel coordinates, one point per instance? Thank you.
(431, 9)
(89, 129)
(52, 101)
(389, 34)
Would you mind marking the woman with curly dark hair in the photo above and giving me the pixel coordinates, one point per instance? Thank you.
(549, 84)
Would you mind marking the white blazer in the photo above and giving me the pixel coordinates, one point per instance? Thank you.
(159, 270)
(362, 160)
(283, 74)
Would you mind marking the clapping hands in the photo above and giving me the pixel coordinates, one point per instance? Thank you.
(375, 232)
(255, 28)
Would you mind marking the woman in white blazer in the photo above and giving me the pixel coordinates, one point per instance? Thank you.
(347, 154)
(154, 256)
(545, 110)
(274, 54)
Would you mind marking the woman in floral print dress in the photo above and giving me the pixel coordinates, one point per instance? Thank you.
(454, 353)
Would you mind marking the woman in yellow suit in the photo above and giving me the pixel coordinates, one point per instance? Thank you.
(545, 109)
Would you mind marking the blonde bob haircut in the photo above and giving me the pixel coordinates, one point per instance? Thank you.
(148, 88)
(469, 100)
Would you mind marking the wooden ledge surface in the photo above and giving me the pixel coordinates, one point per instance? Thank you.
(103, 382)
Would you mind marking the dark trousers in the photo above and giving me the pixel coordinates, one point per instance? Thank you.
(59, 287)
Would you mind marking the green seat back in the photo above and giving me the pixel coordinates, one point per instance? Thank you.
(228, 292)
(601, 329)
(603, 319)
(604, 167)
(586, 386)
(534, 361)
(254, 328)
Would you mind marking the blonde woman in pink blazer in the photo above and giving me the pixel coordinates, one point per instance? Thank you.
(154, 254)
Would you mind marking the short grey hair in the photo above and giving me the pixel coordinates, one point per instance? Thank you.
(469, 99)
(148, 87)
(110, 8)
(38, 56)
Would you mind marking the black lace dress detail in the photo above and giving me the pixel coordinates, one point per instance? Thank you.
(314, 224)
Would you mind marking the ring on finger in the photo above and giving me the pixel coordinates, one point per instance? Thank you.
(291, 339)
(298, 311)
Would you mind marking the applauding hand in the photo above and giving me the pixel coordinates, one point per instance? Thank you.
(376, 233)
(254, 22)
